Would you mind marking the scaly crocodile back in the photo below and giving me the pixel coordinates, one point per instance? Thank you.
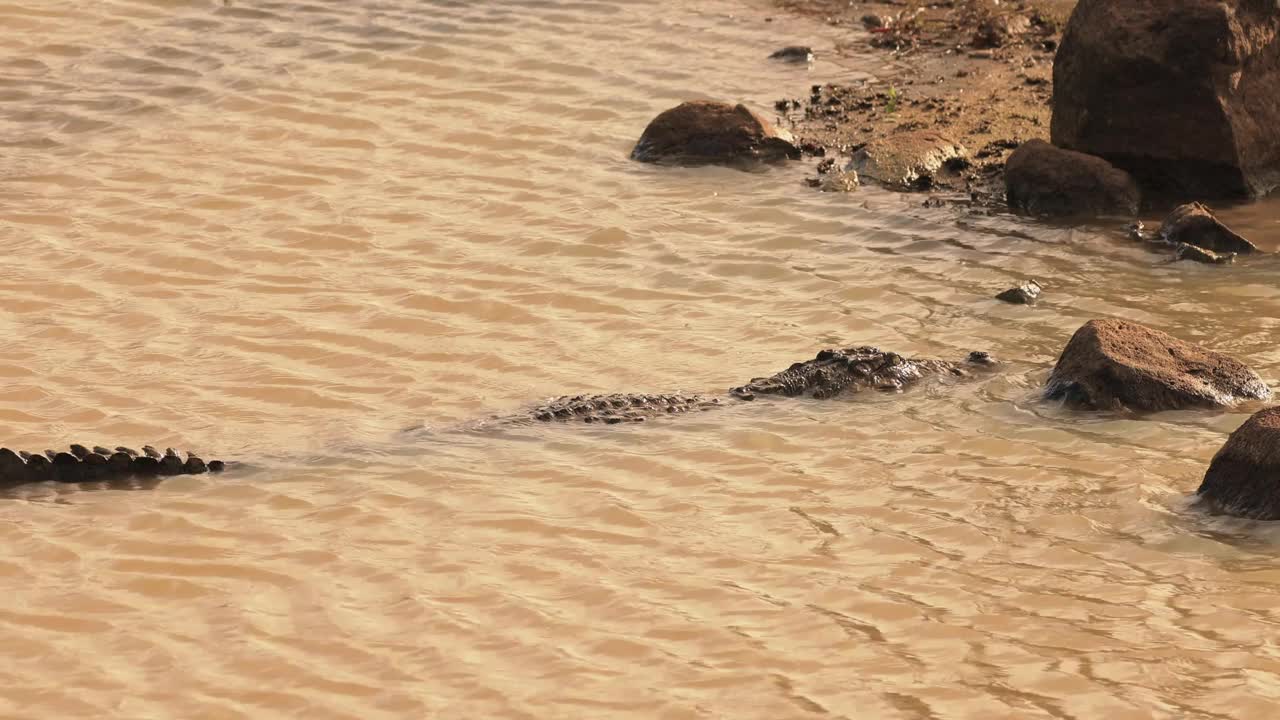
(619, 408)
(81, 464)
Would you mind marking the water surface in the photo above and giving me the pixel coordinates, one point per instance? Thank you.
(282, 231)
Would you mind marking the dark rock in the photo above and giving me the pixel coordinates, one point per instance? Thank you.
(1112, 364)
(1025, 294)
(793, 53)
(1244, 476)
(1195, 224)
(1044, 180)
(907, 160)
(702, 133)
(1183, 94)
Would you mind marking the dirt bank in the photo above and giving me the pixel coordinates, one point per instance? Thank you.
(979, 71)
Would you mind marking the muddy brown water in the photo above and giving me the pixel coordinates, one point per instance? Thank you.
(280, 232)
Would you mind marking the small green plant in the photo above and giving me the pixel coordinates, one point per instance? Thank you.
(892, 106)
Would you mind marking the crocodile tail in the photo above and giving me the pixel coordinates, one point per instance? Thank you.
(81, 464)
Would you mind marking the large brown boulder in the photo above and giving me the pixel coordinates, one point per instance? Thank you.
(712, 133)
(1112, 364)
(1244, 477)
(1044, 180)
(1183, 94)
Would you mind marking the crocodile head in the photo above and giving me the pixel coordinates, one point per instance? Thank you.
(854, 369)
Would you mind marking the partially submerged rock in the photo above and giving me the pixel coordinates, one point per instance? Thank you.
(1044, 180)
(909, 160)
(1112, 364)
(1244, 476)
(793, 54)
(1184, 94)
(1025, 294)
(1195, 224)
(707, 133)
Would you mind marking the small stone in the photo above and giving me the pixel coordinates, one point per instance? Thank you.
(1025, 294)
(794, 54)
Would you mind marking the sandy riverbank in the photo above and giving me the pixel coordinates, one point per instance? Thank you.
(979, 71)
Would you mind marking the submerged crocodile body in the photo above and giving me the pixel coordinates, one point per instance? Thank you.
(830, 373)
(82, 464)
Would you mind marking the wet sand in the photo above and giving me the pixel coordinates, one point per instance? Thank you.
(979, 72)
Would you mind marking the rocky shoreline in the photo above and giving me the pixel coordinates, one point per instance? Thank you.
(976, 72)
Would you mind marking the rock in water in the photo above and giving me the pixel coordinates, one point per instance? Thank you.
(1195, 224)
(1044, 180)
(1244, 477)
(794, 54)
(908, 160)
(1025, 294)
(1183, 94)
(712, 133)
(1111, 364)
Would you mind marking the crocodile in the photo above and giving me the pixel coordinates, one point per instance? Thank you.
(828, 374)
(81, 464)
